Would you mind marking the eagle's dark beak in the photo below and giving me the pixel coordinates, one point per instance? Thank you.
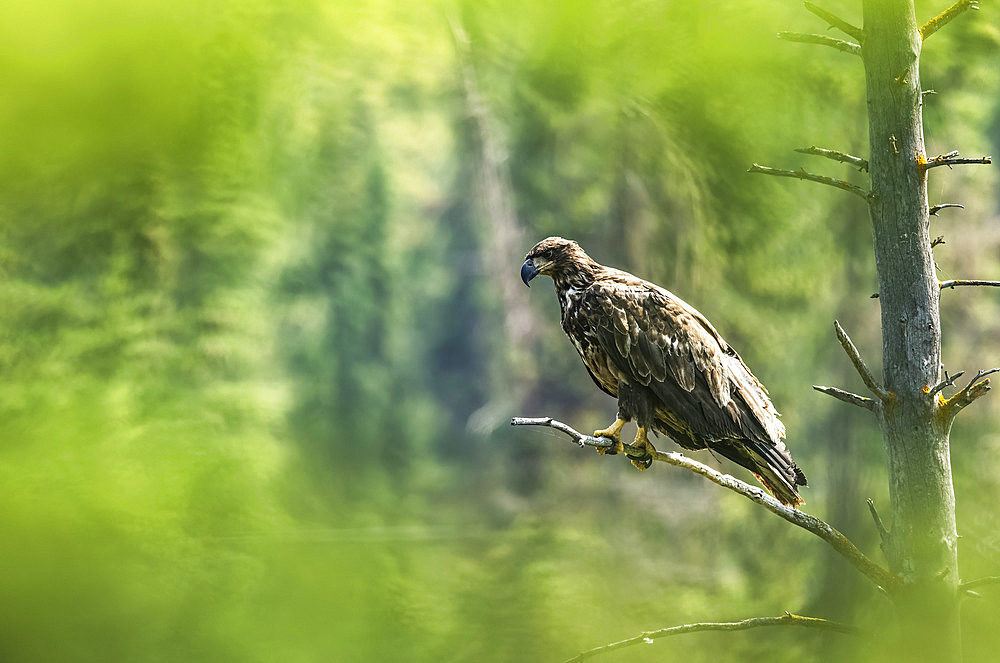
(528, 271)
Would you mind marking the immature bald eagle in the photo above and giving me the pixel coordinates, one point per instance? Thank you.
(669, 368)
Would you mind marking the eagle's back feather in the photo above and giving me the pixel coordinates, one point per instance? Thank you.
(704, 396)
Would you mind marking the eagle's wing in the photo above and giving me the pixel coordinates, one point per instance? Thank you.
(657, 340)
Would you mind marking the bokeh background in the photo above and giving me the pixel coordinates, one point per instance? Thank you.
(262, 332)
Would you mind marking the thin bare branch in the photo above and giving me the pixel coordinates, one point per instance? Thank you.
(937, 240)
(839, 44)
(978, 582)
(937, 208)
(965, 396)
(848, 397)
(858, 162)
(859, 363)
(787, 619)
(951, 159)
(803, 175)
(878, 575)
(953, 283)
(949, 381)
(939, 21)
(883, 533)
(836, 22)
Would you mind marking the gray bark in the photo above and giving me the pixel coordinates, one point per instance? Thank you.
(922, 545)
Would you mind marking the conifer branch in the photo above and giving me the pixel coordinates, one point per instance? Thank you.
(858, 162)
(942, 19)
(882, 578)
(848, 397)
(803, 175)
(839, 44)
(787, 619)
(836, 22)
(859, 363)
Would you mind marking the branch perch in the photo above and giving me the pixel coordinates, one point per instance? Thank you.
(860, 163)
(939, 21)
(787, 619)
(859, 363)
(881, 577)
(839, 44)
(836, 22)
(848, 397)
(803, 175)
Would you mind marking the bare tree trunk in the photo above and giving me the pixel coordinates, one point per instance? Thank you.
(922, 545)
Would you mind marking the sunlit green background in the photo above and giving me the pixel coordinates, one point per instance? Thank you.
(259, 343)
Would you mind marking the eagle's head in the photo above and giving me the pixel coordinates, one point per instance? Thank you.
(555, 257)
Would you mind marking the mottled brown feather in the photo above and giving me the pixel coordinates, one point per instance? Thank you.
(676, 367)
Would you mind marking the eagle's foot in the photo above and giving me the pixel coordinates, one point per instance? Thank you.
(641, 452)
(614, 431)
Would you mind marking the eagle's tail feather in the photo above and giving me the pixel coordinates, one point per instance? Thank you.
(771, 464)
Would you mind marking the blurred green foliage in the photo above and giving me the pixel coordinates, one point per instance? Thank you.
(253, 380)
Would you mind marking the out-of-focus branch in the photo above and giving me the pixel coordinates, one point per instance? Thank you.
(883, 533)
(939, 21)
(843, 157)
(836, 22)
(812, 177)
(787, 619)
(979, 582)
(839, 44)
(878, 575)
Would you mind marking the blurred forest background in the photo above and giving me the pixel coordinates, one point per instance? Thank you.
(261, 327)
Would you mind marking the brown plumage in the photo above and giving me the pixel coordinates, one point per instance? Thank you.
(666, 364)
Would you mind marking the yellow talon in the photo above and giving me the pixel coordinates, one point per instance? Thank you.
(614, 431)
(642, 442)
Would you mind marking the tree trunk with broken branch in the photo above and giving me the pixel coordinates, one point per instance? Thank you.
(914, 416)
(922, 545)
